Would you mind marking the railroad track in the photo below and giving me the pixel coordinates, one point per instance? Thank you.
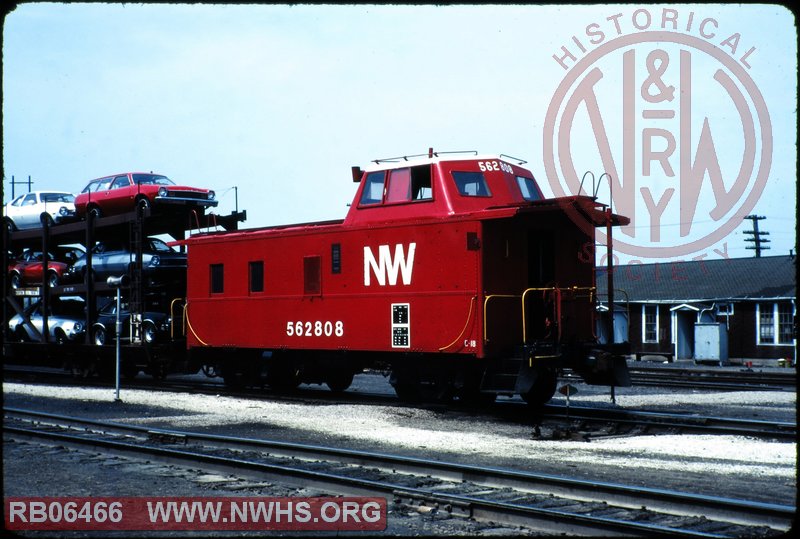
(737, 380)
(642, 422)
(546, 503)
(572, 421)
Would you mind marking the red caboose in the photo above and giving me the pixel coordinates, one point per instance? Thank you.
(452, 271)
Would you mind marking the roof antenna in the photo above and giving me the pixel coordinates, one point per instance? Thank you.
(430, 153)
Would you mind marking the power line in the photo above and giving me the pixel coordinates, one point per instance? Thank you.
(757, 236)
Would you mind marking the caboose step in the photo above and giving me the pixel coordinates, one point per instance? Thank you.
(503, 375)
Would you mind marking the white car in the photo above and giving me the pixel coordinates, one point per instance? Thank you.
(28, 210)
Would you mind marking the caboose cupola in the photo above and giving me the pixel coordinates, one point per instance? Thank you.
(438, 185)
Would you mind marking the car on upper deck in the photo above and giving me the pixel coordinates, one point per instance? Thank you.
(121, 193)
(31, 209)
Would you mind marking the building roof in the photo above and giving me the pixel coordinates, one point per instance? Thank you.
(764, 278)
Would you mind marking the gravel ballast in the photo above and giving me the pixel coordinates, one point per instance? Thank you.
(733, 466)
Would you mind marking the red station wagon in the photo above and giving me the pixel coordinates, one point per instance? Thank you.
(120, 193)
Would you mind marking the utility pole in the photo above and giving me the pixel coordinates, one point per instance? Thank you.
(14, 183)
(757, 239)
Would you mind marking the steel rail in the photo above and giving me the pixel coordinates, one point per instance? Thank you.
(713, 379)
(736, 511)
(548, 520)
(782, 430)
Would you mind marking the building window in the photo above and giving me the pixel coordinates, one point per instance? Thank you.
(785, 323)
(775, 323)
(650, 323)
(217, 278)
(257, 276)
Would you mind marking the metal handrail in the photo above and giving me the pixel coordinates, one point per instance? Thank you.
(485, 305)
(466, 324)
(558, 310)
(558, 291)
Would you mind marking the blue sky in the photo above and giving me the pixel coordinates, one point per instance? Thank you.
(280, 101)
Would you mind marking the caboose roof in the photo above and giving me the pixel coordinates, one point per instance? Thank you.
(436, 157)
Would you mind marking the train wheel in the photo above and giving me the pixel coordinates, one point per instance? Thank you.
(468, 389)
(406, 385)
(283, 378)
(212, 371)
(158, 370)
(339, 381)
(475, 397)
(234, 380)
(412, 387)
(408, 392)
(83, 368)
(543, 388)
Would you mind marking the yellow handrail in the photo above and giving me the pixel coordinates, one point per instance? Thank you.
(524, 321)
(189, 324)
(172, 318)
(556, 289)
(466, 324)
(485, 305)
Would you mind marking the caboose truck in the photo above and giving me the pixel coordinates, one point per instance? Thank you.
(450, 269)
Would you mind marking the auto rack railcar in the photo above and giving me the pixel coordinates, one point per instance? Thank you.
(452, 270)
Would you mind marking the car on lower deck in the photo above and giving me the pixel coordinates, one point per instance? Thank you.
(155, 326)
(65, 321)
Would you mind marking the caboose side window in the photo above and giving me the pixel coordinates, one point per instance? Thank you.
(217, 278)
(528, 188)
(373, 190)
(471, 184)
(312, 276)
(399, 187)
(421, 183)
(336, 258)
(409, 184)
(257, 276)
